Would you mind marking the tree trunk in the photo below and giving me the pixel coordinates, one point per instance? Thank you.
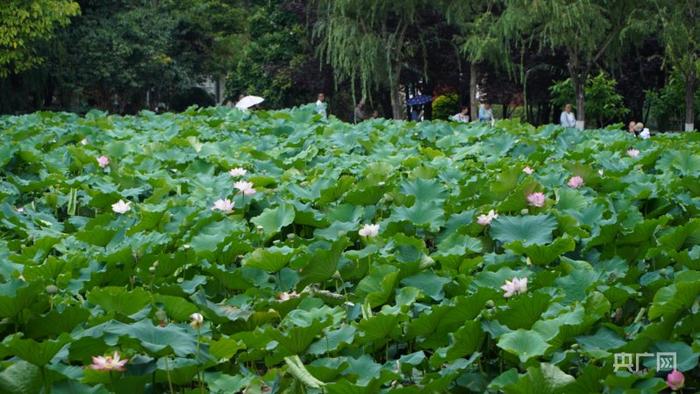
(397, 110)
(474, 104)
(580, 103)
(689, 102)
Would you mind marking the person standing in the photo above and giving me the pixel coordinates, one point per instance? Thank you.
(567, 118)
(486, 113)
(321, 105)
(360, 111)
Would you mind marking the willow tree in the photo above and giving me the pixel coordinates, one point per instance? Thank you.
(583, 30)
(680, 33)
(366, 41)
(478, 40)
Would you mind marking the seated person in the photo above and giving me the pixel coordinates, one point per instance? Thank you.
(462, 116)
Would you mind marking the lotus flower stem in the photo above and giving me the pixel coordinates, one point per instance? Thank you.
(45, 379)
(170, 380)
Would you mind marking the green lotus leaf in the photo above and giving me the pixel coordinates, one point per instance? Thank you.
(678, 296)
(37, 353)
(429, 283)
(271, 259)
(525, 344)
(546, 379)
(421, 214)
(529, 230)
(21, 378)
(119, 299)
(273, 219)
(543, 254)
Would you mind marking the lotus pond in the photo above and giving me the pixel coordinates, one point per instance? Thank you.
(381, 257)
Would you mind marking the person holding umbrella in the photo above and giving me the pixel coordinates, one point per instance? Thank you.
(247, 102)
(418, 101)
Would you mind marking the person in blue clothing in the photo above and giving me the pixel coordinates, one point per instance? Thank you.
(485, 113)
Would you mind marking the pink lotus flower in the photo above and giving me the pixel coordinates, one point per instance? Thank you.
(487, 218)
(196, 320)
(224, 205)
(369, 230)
(108, 363)
(103, 161)
(675, 380)
(238, 171)
(536, 199)
(632, 152)
(528, 170)
(245, 187)
(514, 286)
(121, 206)
(575, 182)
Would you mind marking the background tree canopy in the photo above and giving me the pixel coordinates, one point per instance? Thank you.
(614, 60)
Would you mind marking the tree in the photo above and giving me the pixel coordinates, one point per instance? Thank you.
(581, 29)
(125, 55)
(366, 41)
(603, 103)
(23, 23)
(276, 57)
(680, 32)
(477, 40)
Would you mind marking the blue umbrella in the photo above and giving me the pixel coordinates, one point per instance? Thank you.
(419, 100)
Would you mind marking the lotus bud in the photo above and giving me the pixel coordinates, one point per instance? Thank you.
(197, 320)
(52, 289)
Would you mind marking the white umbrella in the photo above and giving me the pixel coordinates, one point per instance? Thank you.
(249, 101)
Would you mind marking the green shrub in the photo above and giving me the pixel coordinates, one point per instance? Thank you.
(445, 106)
(604, 105)
(667, 105)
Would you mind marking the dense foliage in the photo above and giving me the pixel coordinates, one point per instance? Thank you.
(24, 24)
(604, 103)
(117, 236)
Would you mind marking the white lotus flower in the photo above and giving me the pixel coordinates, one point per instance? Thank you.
(369, 230)
(514, 286)
(196, 320)
(487, 218)
(245, 187)
(238, 171)
(224, 205)
(121, 206)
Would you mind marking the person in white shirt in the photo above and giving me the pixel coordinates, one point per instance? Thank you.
(321, 105)
(641, 131)
(567, 118)
(462, 116)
